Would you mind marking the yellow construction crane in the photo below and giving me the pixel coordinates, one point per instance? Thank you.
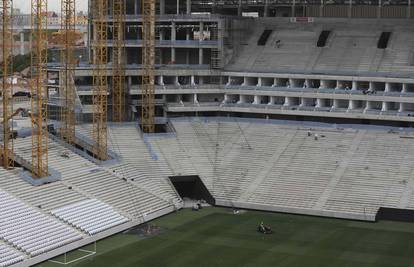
(7, 153)
(67, 83)
(39, 90)
(148, 62)
(100, 82)
(118, 67)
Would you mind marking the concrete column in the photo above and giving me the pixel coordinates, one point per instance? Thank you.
(192, 80)
(274, 82)
(287, 102)
(173, 31)
(318, 103)
(162, 7)
(22, 43)
(257, 99)
(187, 34)
(200, 56)
(271, 100)
(245, 82)
(242, 100)
(195, 99)
(379, 9)
(226, 99)
(404, 88)
(401, 109)
(266, 9)
(228, 81)
(176, 81)
(173, 38)
(239, 9)
(354, 85)
(178, 7)
(387, 87)
(293, 8)
(201, 31)
(160, 80)
(384, 106)
(136, 7)
(351, 104)
(259, 81)
(188, 7)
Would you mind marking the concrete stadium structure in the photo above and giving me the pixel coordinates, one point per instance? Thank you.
(238, 95)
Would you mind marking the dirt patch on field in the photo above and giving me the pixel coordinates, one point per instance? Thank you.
(145, 230)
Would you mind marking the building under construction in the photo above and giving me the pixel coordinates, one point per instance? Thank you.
(275, 105)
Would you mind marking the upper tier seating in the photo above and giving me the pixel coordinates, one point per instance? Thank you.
(351, 48)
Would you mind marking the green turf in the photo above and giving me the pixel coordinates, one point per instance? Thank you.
(215, 237)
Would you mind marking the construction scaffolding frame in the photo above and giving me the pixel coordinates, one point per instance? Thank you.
(148, 68)
(7, 148)
(39, 89)
(67, 83)
(118, 65)
(100, 81)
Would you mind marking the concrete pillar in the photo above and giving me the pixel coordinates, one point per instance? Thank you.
(160, 80)
(401, 109)
(228, 81)
(242, 100)
(195, 99)
(259, 81)
(162, 7)
(274, 82)
(200, 56)
(271, 100)
(404, 88)
(384, 106)
(287, 102)
(354, 85)
(192, 80)
(226, 99)
(257, 99)
(173, 39)
(318, 103)
(188, 7)
(176, 81)
(239, 9)
(136, 7)
(178, 7)
(187, 34)
(22, 43)
(173, 31)
(201, 31)
(387, 87)
(335, 103)
(266, 9)
(245, 82)
(293, 8)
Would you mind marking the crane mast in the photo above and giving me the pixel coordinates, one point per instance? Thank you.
(39, 91)
(67, 89)
(7, 153)
(148, 62)
(100, 83)
(118, 67)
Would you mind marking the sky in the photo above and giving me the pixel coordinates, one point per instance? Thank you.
(54, 5)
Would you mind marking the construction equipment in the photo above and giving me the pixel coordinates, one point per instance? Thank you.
(7, 152)
(148, 66)
(39, 90)
(118, 66)
(67, 89)
(100, 82)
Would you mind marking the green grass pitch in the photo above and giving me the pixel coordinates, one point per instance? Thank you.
(216, 237)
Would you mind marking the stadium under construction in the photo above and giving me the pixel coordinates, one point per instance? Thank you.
(291, 106)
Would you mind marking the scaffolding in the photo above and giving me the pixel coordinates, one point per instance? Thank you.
(67, 83)
(118, 66)
(7, 149)
(148, 61)
(100, 82)
(39, 90)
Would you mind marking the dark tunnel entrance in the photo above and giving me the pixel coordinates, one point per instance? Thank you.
(192, 187)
